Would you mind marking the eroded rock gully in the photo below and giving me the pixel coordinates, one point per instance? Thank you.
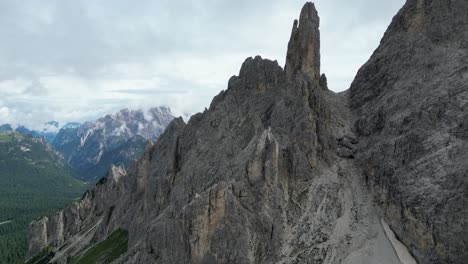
(281, 170)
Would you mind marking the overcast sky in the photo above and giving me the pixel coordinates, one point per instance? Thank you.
(78, 60)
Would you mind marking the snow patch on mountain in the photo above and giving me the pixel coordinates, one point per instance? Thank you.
(25, 149)
(85, 137)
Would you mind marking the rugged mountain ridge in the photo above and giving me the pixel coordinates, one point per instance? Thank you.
(281, 170)
(114, 139)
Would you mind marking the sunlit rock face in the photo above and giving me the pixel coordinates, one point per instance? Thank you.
(281, 170)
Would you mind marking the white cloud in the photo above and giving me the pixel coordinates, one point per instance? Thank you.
(79, 60)
(122, 129)
(4, 113)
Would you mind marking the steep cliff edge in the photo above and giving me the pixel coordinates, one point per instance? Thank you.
(281, 170)
(411, 105)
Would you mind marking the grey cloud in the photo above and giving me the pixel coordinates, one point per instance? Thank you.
(88, 39)
(148, 91)
(88, 36)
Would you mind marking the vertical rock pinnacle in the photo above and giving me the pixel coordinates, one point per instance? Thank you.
(304, 45)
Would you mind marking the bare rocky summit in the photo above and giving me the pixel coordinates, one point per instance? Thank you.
(304, 45)
(281, 170)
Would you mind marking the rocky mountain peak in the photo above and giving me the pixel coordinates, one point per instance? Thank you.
(323, 82)
(259, 74)
(303, 54)
(116, 138)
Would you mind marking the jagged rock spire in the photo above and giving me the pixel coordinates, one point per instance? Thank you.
(304, 45)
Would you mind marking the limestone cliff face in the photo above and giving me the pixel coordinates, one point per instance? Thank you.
(81, 218)
(410, 102)
(281, 170)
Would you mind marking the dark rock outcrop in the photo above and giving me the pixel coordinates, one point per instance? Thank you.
(323, 82)
(281, 170)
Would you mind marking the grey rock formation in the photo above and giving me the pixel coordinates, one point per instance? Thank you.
(323, 82)
(281, 170)
(411, 102)
(304, 45)
(72, 229)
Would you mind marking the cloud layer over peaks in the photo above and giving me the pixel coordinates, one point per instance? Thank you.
(78, 60)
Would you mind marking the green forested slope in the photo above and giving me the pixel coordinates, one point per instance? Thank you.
(34, 181)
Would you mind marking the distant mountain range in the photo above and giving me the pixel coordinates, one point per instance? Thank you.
(114, 139)
(49, 130)
(92, 147)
